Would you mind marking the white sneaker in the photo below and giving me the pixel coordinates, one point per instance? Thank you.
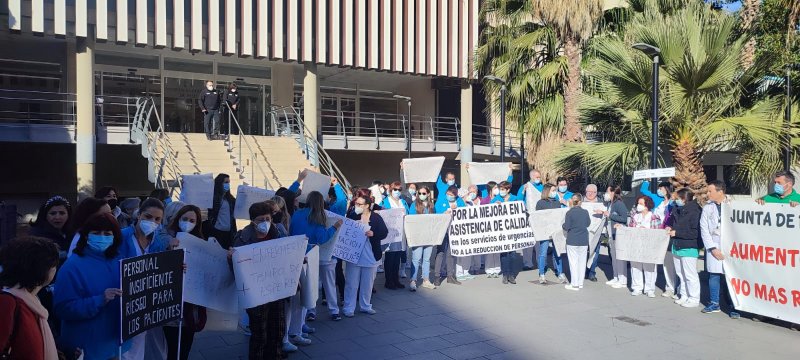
(651, 294)
(681, 301)
(428, 285)
(542, 279)
(618, 286)
(369, 312)
(691, 304)
(636, 293)
(299, 340)
(668, 293)
(675, 297)
(563, 279)
(612, 282)
(380, 268)
(570, 287)
(412, 285)
(289, 347)
(403, 272)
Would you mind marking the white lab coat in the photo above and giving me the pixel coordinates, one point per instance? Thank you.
(710, 233)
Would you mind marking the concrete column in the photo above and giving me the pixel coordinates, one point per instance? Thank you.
(85, 129)
(282, 84)
(466, 131)
(311, 100)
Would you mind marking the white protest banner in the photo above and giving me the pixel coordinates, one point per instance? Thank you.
(394, 222)
(198, 190)
(482, 173)
(326, 249)
(762, 256)
(595, 230)
(422, 169)
(591, 207)
(491, 228)
(546, 222)
(532, 196)
(426, 229)
(314, 181)
(269, 270)
(653, 173)
(560, 242)
(641, 245)
(249, 195)
(208, 280)
(350, 241)
(309, 280)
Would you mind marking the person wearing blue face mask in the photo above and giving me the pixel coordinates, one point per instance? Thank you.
(563, 192)
(445, 204)
(443, 184)
(392, 260)
(505, 195)
(548, 201)
(663, 193)
(220, 216)
(88, 290)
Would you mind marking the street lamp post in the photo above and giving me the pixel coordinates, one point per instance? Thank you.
(502, 84)
(408, 137)
(655, 54)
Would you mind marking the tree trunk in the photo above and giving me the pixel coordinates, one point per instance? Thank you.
(572, 91)
(688, 167)
(749, 14)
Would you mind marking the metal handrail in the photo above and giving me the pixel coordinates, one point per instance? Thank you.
(243, 139)
(152, 140)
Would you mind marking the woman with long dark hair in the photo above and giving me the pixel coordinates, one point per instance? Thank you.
(85, 209)
(110, 194)
(220, 217)
(361, 276)
(421, 255)
(52, 222)
(683, 227)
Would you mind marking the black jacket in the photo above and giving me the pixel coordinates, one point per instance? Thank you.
(209, 100)
(232, 98)
(547, 204)
(685, 221)
(379, 231)
(576, 225)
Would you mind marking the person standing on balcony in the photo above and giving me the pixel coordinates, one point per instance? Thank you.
(209, 101)
(232, 99)
(220, 217)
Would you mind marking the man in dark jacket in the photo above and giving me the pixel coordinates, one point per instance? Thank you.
(209, 102)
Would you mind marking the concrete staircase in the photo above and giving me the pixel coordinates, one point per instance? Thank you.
(264, 161)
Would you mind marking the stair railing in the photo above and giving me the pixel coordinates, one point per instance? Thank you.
(232, 120)
(162, 164)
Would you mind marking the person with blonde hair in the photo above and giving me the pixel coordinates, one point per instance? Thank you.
(576, 225)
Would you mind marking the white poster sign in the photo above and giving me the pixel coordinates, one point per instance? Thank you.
(309, 279)
(208, 280)
(268, 270)
(426, 229)
(654, 173)
(591, 207)
(546, 222)
(595, 231)
(491, 228)
(762, 255)
(641, 245)
(422, 169)
(350, 241)
(198, 190)
(249, 195)
(532, 196)
(394, 222)
(326, 249)
(315, 181)
(482, 173)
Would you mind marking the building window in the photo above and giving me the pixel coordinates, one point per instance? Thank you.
(728, 175)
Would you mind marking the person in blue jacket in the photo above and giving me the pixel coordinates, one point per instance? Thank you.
(535, 182)
(421, 255)
(87, 291)
(140, 239)
(447, 201)
(337, 202)
(663, 192)
(395, 251)
(442, 185)
(563, 192)
(505, 257)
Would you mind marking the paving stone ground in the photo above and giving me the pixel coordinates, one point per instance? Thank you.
(484, 319)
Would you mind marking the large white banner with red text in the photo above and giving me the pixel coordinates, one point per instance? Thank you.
(761, 245)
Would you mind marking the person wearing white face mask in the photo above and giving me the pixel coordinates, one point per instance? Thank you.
(549, 201)
(617, 215)
(530, 193)
(209, 102)
(185, 220)
(509, 276)
(643, 218)
(391, 262)
(141, 239)
(466, 264)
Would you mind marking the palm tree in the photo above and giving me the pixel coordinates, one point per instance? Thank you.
(749, 14)
(709, 102)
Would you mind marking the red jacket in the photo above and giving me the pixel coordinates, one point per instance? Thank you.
(27, 343)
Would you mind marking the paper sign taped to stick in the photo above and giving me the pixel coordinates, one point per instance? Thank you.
(309, 279)
(422, 169)
(394, 222)
(491, 228)
(762, 253)
(350, 241)
(152, 291)
(269, 270)
(208, 280)
(641, 245)
(249, 195)
(654, 173)
(314, 181)
(198, 190)
(547, 222)
(482, 173)
(426, 229)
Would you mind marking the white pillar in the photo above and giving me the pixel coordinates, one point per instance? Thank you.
(282, 84)
(466, 131)
(85, 127)
(311, 100)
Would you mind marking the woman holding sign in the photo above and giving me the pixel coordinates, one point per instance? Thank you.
(360, 277)
(549, 201)
(88, 290)
(395, 250)
(421, 255)
(575, 224)
(644, 218)
(445, 204)
(505, 195)
(684, 231)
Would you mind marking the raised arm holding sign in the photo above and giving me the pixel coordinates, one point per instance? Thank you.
(422, 169)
